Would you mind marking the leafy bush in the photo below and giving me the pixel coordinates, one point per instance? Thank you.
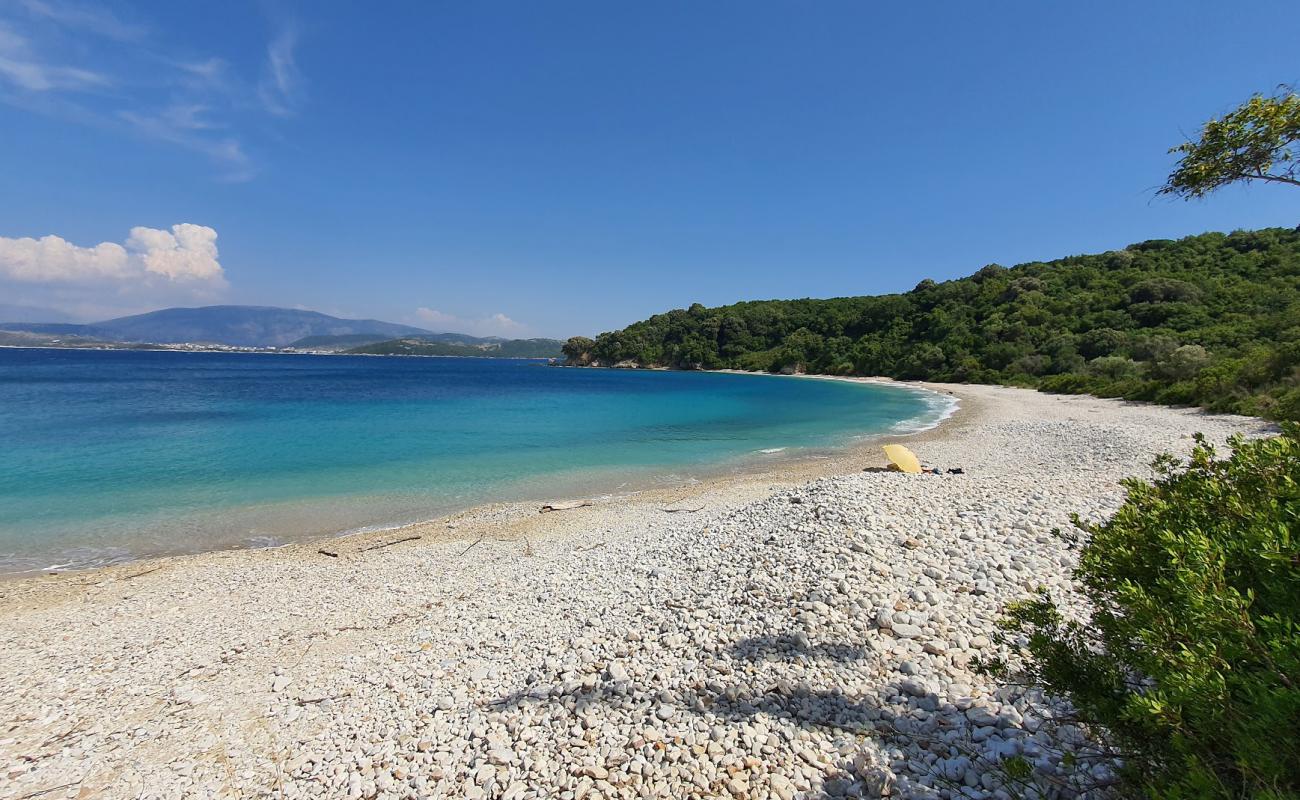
(1113, 367)
(1190, 666)
(578, 349)
(1183, 363)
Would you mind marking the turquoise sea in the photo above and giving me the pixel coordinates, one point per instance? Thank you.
(108, 456)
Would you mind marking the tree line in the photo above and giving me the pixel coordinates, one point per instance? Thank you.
(1210, 320)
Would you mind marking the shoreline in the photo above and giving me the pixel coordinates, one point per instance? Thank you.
(760, 465)
(152, 348)
(749, 469)
(804, 633)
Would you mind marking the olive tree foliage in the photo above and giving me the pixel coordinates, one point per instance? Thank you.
(1259, 141)
(1189, 667)
(577, 350)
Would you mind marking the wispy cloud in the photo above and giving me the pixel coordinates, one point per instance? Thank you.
(21, 66)
(184, 125)
(209, 74)
(280, 88)
(86, 64)
(93, 19)
(491, 325)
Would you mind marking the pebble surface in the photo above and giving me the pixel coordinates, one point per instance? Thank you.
(788, 639)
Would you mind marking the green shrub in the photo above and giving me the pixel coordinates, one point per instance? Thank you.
(1288, 404)
(1113, 367)
(1190, 666)
(1177, 394)
(1184, 363)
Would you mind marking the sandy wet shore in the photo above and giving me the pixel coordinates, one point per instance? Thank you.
(288, 522)
(784, 634)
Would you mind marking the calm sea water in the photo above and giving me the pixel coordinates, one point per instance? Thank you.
(112, 455)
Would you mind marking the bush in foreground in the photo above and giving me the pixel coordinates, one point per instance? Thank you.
(1190, 667)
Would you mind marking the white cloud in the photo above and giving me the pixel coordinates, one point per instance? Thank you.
(503, 323)
(151, 269)
(281, 83)
(52, 259)
(187, 254)
(492, 325)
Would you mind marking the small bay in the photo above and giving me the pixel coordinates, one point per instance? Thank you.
(108, 456)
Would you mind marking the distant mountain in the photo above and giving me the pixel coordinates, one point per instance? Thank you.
(248, 326)
(335, 343)
(496, 348)
(51, 328)
(461, 338)
(9, 338)
(244, 326)
(13, 313)
(351, 340)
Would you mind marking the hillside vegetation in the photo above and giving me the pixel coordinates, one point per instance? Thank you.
(1210, 320)
(506, 348)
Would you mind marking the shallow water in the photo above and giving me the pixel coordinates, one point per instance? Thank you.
(113, 455)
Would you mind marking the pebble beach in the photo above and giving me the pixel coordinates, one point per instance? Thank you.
(804, 631)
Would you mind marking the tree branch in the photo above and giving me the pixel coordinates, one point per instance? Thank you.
(1276, 179)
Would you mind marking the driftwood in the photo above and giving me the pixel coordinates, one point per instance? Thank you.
(388, 544)
(307, 701)
(681, 510)
(471, 547)
(40, 792)
(565, 506)
(138, 574)
(329, 553)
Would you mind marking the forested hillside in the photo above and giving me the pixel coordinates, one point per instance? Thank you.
(1212, 320)
(504, 348)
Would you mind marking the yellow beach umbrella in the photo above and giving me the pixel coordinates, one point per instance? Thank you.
(903, 458)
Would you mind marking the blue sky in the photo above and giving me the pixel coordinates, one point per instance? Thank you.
(554, 168)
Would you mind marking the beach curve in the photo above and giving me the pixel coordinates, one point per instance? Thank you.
(611, 650)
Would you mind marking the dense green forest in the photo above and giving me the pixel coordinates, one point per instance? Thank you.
(1210, 320)
(506, 348)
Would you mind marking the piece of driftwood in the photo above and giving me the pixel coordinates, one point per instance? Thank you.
(565, 506)
(681, 510)
(388, 544)
(329, 553)
(138, 574)
(40, 792)
(471, 547)
(307, 701)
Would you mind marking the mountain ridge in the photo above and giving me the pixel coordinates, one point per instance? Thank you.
(240, 326)
(494, 348)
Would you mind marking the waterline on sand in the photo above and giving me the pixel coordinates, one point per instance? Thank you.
(814, 591)
(118, 455)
